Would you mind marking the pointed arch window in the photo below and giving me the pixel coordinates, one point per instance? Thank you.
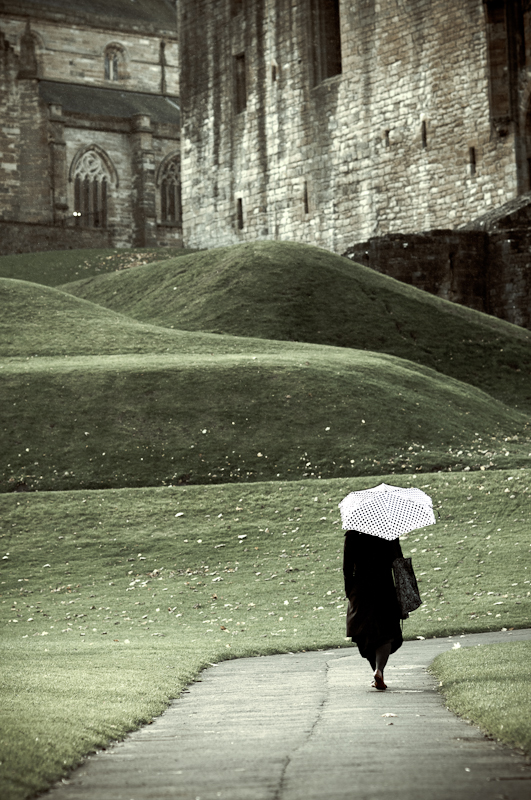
(114, 62)
(170, 192)
(91, 182)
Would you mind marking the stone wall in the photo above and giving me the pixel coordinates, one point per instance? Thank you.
(450, 264)
(419, 131)
(76, 53)
(25, 237)
(486, 265)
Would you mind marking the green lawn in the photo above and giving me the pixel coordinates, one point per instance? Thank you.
(491, 686)
(196, 476)
(112, 600)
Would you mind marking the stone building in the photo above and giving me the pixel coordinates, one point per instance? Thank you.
(89, 124)
(336, 121)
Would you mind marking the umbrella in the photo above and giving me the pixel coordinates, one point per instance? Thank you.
(386, 511)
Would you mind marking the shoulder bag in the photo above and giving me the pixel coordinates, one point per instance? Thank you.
(407, 590)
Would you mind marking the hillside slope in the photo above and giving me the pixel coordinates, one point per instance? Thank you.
(295, 292)
(145, 420)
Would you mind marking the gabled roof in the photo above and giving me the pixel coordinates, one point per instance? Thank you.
(93, 101)
(149, 15)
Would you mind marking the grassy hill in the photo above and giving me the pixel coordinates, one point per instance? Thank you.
(53, 267)
(145, 420)
(294, 292)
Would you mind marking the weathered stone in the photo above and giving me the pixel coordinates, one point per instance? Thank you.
(75, 155)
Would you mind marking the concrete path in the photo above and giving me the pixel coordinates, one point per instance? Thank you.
(309, 727)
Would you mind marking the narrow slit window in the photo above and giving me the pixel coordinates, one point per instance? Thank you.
(472, 160)
(306, 204)
(325, 39)
(240, 85)
(424, 135)
(239, 213)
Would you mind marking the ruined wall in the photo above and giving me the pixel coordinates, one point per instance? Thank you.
(401, 140)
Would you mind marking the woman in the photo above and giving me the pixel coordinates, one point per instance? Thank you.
(373, 616)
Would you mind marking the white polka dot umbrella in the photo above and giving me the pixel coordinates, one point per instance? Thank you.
(386, 511)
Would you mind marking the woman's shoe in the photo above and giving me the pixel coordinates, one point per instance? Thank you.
(378, 682)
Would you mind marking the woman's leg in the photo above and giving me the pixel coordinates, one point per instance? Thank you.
(382, 655)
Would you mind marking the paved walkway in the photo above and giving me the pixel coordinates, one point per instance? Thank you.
(309, 727)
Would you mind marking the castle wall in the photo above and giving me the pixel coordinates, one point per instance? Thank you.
(385, 146)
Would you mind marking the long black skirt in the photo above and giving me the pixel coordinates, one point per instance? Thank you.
(373, 616)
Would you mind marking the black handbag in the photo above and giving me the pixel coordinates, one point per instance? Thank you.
(407, 590)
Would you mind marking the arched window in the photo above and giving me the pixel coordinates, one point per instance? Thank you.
(91, 181)
(170, 192)
(114, 62)
(28, 54)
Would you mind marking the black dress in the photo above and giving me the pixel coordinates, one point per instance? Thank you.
(373, 616)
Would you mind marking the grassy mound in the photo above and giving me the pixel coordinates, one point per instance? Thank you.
(288, 291)
(54, 267)
(113, 600)
(148, 420)
(41, 321)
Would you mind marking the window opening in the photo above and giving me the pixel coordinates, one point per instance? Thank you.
(239, 213)
(386, 138)
(90, 191)
(424, 135)
(240, 88)
(236, 7)
(306, 204)
(113, 63)
(170, 193)
(472, 160)
(28, 55)
(325, 39)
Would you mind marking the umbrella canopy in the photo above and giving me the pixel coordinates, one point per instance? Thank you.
(386, 511)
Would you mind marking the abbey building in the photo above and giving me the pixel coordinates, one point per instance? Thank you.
(89, 124)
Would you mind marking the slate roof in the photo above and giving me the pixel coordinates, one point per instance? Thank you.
(93, 101)
(152, 15)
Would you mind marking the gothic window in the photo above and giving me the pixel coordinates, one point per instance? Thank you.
(114, 63)
(325, 39)
(91, 181)
(240, 88)
(28, 55)
(170, 192)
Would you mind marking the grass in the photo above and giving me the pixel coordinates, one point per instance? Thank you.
(491, 686)
(114, 598)
(112, 601)
(54, 267)
(145, 420)
(295, 292)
